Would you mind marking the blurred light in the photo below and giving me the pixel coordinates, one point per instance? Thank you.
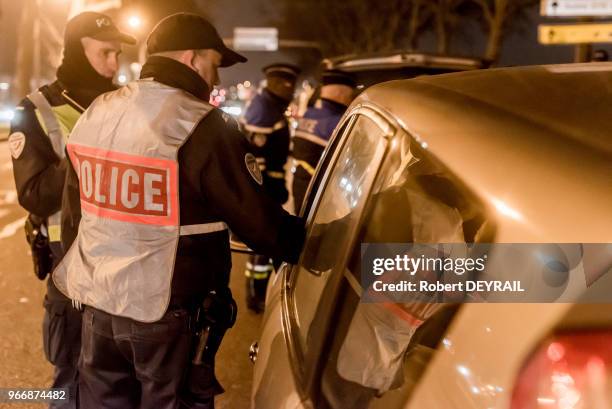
(4, 86)
(122, 79)
(546, 401)
(135, 67)
(463, 370)
(7, 115)
(506, 210)
(555, 352)
(235, 111)
(134, 21)
(247, 84)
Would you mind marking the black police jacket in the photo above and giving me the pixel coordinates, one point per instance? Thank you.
(39, 173)
(267, 129)
(214, 184)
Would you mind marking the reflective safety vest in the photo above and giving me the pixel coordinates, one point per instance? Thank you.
(124, 151)
(57, 122)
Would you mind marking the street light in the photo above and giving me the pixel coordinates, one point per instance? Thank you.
(134, 21)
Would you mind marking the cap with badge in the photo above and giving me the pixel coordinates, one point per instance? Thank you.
(337, 77)
(97, 26)
(282, 70)
(188, 31)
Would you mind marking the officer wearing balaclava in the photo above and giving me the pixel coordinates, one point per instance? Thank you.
(43, 121)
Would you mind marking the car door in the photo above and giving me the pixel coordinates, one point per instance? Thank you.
(299, 297)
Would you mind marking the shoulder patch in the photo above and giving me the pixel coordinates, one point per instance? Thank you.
(16, 142)
(253, 167)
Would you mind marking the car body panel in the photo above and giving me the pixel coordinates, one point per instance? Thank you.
(273, 380)
(535, 145)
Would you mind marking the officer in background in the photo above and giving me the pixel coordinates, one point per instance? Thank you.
(37, 140)
(267, 129)
(316, 127)
(162, 174)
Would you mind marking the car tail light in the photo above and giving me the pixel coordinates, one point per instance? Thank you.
(569, 371)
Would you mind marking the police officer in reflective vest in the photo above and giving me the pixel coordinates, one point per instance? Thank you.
(156, 177)
(316, 127)
(37, 141)
(267, 128)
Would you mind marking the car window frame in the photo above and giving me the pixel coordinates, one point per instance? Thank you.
(305, 382)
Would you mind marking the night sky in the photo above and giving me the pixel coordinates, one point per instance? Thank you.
(520, 48)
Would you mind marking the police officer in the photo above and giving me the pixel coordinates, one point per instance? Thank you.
(267, 128)
(156, 176)
(316, 127)
(37, 140)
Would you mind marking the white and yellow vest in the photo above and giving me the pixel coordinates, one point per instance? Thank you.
(124, 149)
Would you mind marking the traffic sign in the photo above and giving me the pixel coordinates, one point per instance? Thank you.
(575, 33)
(576, 8)
(255, 38)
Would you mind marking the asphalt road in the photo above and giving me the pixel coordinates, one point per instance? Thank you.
(22, 362)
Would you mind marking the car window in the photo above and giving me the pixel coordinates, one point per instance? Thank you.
(325, 160)
(333, 225)
(414, 199)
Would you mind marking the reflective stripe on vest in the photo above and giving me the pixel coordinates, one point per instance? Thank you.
(125, 154)
(305, 165)
(57, 122)
(275, 174)
(310, 137)
(205, 228)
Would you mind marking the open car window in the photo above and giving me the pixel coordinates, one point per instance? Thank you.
(415, 199)
(332, 229)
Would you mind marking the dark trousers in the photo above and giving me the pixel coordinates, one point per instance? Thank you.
(62, 343)
(128, 364)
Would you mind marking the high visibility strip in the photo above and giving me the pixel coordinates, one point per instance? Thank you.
(264, 129)
(204, 228)
(311, 138)
(275, 174)
(256, 275)
(305, 165)
(51, 123)
(259, 267)
(54, 227)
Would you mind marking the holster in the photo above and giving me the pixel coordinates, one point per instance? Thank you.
(215, 315)
(42, 257)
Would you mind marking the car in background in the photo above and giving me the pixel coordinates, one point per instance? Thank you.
(371, 69)
(518, 155)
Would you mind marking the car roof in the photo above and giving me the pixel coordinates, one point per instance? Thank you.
(395, 59)
(533, 141)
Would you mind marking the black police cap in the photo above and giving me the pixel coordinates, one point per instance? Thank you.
(97, 26)
(187, 31)
(330, 77)
(283, 70)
